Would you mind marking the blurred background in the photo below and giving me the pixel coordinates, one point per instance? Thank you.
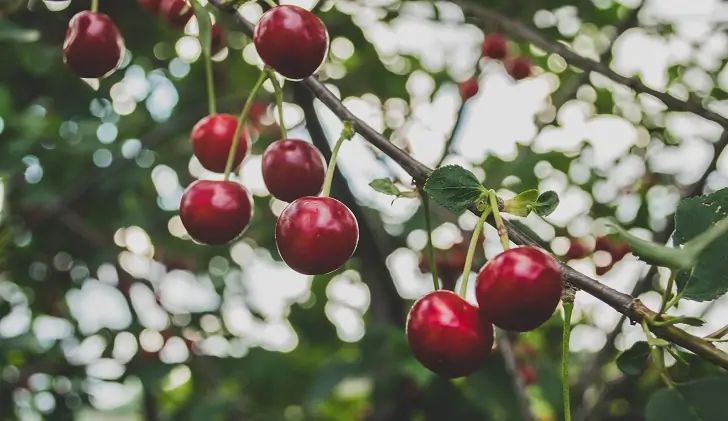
(108, 311)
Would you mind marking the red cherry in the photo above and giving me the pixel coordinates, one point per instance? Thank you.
(216, 212)
(273, 40)
(93, 47)
(519, 68)
(293, 168)
(316, 235)
(151, 6)
(494, 46)
(447, 335)
(212, 138)
(468, 89)
(218, 39)
(602, 270)
(577, 250)
(528, 374)
(176, 12)
(519, 289)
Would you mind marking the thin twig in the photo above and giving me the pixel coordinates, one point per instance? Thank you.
(517, 28)
(623, 303)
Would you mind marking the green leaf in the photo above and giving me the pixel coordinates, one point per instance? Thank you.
(634, 360)
(653, 253)
(522, 204)
(455, 188)
(701, 400)
(694, 217)
(205, 28)
(546, 203)
(386, 186)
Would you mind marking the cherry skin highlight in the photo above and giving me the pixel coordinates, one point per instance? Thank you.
(93, 47)
(448, 335)
(291, 40)
(519, 68)
(212, 138)
(494, 46)
(216, 212)
(519, 289)
(293, 168)
(468, 89)
(316, 235)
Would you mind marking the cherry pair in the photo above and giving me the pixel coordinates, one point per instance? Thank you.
(517, 290)
(495, 46)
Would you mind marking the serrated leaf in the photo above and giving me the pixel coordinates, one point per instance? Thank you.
(695, 216)
(701, 400)
(204, 25)
(386, 186)
(634, 360)
(522, 204)
(546, 203)
(653, 253)
(454, 188)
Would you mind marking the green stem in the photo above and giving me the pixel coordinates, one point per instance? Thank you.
(499, 225)
(94, 6)
(212, 109)
(568, 309)
(666, 293)
(241, 123)
(279, 103)
(471, 253)
(346, 133)
(270, 3)
(430, 248)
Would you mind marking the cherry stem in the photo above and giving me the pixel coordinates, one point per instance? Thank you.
(241, 123)
(346, 133)
(430, 248)
(279, 103)
(658, 357)
(212, 108)
(568, 309)
(499, 225)
(271, 3)
(471, 252)
(666, 294)
(94, 6)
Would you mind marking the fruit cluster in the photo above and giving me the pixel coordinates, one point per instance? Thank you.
(495, 46)
(616, 248)
(517, 290)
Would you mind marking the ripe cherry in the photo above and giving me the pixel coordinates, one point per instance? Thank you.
(218, 38)
(447, 335)
(494, 46)
(274, 33)
(212, 138)
(293, 168)
(316, 235)
(93, 47)
(216, 212)
(519, 67)
(577, 250)
(468, 89)
(519, 289)
(176, 12)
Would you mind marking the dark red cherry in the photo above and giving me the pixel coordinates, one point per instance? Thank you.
(293, 168)
(212, 138)
(218, 39)
(519, 289)
(447, 334)
(93, 47)
(519, 67)
(316, 235)
(494, 46)
(468, 89)
(176, 12)
(291, 40)
(216, 212)
(577, 250)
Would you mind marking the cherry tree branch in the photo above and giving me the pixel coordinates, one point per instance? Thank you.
(523, 31)
(623, 303)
